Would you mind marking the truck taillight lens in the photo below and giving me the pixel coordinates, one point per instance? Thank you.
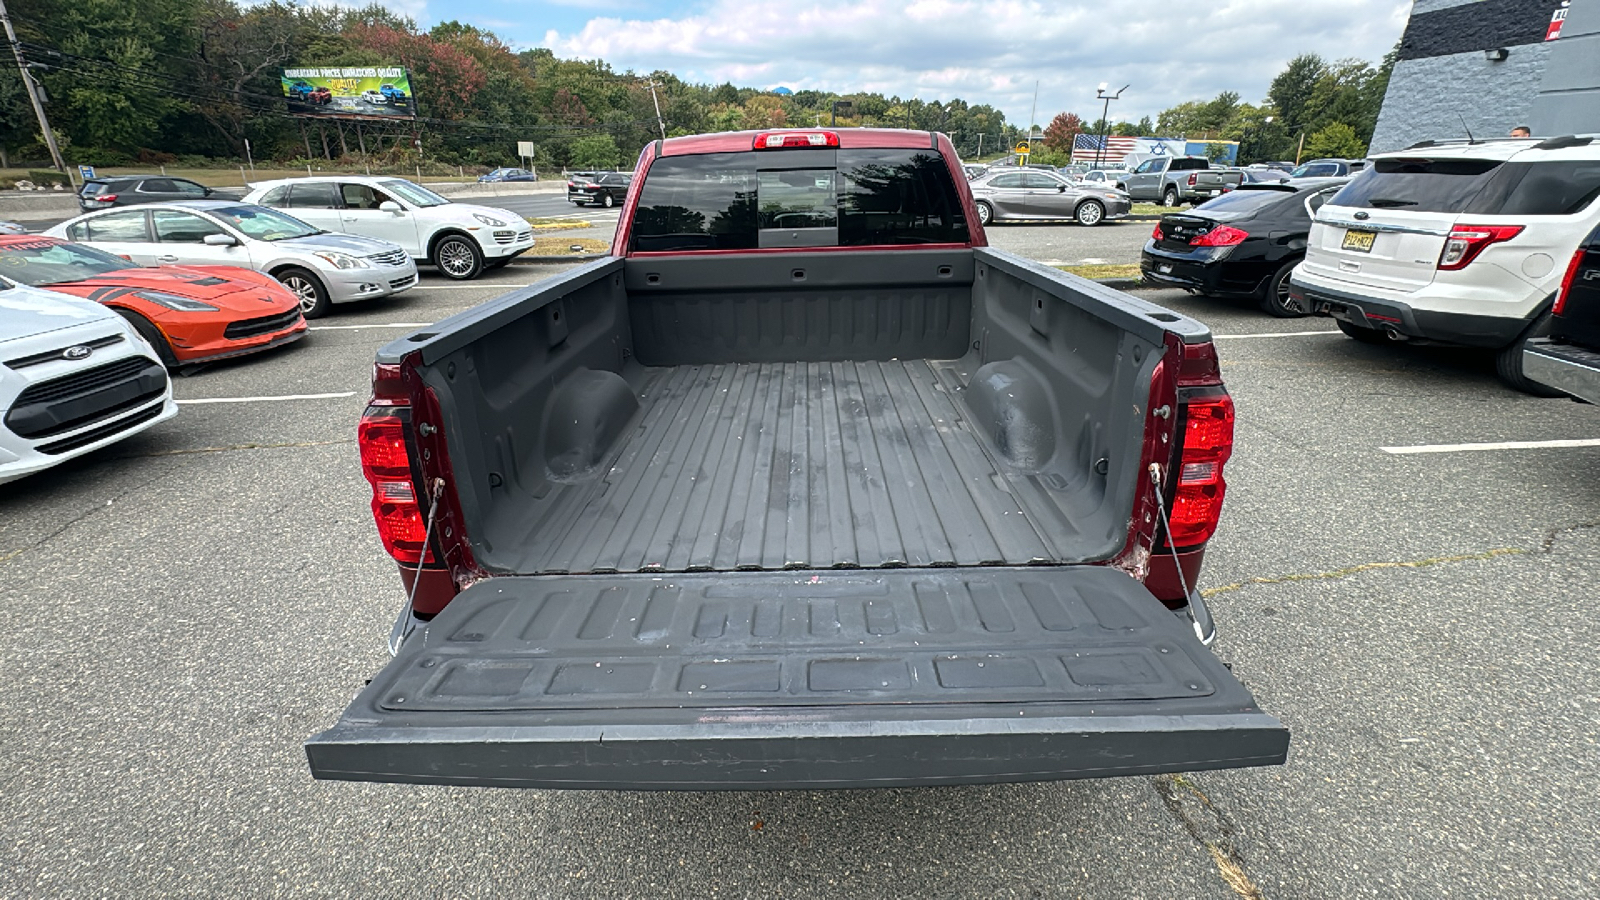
(1566, 282)
(1467, 241)
(386, 463)
(1193, 179)
(1207, 444)
(1220, 236)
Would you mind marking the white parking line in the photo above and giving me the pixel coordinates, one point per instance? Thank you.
(373, 325)
(1497, 445)
(337, 396)
(1269, 334)
(485, 286)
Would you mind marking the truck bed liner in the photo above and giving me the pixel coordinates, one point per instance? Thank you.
(801, 465)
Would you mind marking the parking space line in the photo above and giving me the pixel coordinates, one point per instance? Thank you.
(336, 396)
(1496, 445)
(488, 285)
(373, 325)
(1270, 334)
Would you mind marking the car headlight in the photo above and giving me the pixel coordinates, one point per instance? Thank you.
(342, 260)
(174, 302)
(488, 220)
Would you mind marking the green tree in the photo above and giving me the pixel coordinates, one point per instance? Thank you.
(596, 151)
(1291, 91)
(1337, 140)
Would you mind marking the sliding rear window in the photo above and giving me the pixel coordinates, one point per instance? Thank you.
(1419, 185)
(798, 198)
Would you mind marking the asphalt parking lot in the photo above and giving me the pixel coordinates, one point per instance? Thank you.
(188, 605)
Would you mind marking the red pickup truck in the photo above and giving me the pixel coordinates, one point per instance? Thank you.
(804, 486)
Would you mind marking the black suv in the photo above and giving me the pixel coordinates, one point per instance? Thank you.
(605, 188)
(132, 190)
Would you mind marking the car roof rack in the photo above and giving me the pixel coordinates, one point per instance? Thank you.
(1563, 142)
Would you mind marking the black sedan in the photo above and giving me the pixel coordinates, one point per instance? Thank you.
(1241, 244)
(131, 190)
(604, 188)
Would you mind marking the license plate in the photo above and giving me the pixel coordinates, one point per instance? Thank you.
(1359, 241)
(1165, 270)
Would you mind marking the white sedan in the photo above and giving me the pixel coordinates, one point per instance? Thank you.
(320, 268)
(460, 239)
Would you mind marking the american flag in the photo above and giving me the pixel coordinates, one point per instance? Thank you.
(1085, 147)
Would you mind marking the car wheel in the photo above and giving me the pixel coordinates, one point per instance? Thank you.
(1508, 361)
(1275, 299)
(308, 288)
(1364, 335)
(457, 257)
(1170, 198)
(1089, 213)
(151, 333)
(607, 201)
(985, 213)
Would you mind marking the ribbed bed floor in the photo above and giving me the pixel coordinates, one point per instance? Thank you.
(798, 465)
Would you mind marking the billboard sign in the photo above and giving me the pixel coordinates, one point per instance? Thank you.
(353, 91)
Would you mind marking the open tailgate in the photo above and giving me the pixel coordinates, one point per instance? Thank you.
(754, 680)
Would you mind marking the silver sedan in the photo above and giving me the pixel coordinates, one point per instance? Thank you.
(1038, 194)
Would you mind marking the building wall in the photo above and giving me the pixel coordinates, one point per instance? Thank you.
(1569, 96)
(1443, 86)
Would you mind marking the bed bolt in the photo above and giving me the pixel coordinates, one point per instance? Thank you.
(1162, 412)
(426, 430)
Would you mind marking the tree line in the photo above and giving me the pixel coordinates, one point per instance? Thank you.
(191, 81)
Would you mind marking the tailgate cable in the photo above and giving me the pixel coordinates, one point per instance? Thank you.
(427, 535)
(1166, 524)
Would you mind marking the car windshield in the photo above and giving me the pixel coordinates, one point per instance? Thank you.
(43, 262)
(414, 194)
(264, 224)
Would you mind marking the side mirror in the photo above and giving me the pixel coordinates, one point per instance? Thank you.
(219, 240)
(1061, 188)
(389, 206)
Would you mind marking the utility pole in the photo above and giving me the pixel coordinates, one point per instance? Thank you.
(1033, 117)
(662, 123)
(33, 91)
(980, 145)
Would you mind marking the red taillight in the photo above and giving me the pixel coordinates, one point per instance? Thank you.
(1467, 241)
(775, 140)
(1156, 234)
(1220, 236)
(106, 198)
(387, 465)
(1193, 178)
(1566, 282)
(1207, 444)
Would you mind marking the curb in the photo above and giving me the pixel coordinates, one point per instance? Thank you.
(544, 260)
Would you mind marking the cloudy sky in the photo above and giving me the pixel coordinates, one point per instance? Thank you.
(992, 52)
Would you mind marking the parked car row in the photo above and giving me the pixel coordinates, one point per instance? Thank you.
(1013, 193)
(1487, 243)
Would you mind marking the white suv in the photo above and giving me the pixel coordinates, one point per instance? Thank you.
(1459, 242)
(460, 239)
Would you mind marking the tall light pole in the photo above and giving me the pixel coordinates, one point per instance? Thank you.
(1105, 110)
(32, 88)
(660, 122)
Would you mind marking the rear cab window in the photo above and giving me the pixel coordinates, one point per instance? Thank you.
(798, 198)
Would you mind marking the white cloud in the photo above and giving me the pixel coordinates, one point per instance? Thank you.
(992, 52)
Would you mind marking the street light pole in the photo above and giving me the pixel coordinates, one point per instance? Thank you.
(33, 91)
(1105, 112)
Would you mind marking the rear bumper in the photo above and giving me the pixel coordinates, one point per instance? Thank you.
(1564, 367)
(1204, 271)
(1417, 324)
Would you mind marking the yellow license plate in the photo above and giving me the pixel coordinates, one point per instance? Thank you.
(1359, 241)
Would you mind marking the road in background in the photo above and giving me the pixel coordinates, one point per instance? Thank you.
(185, 607)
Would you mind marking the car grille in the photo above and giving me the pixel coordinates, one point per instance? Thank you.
(512, 237)
(34, 359)
(82, 398)
(399, 283)
(101, 433)
(265, 325)
(392, 258)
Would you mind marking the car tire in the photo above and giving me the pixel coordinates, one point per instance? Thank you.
(1275, 300)
(457, 257)
(308, 288)
(1170, 198)
(607, 201)
(148, 330)
(1364, 335)
(985, 213)
(1089, 213)
(1508, 361)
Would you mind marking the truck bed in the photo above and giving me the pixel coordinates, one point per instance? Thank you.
(800, 465)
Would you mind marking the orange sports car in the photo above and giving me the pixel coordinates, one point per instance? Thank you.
(190, 314)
